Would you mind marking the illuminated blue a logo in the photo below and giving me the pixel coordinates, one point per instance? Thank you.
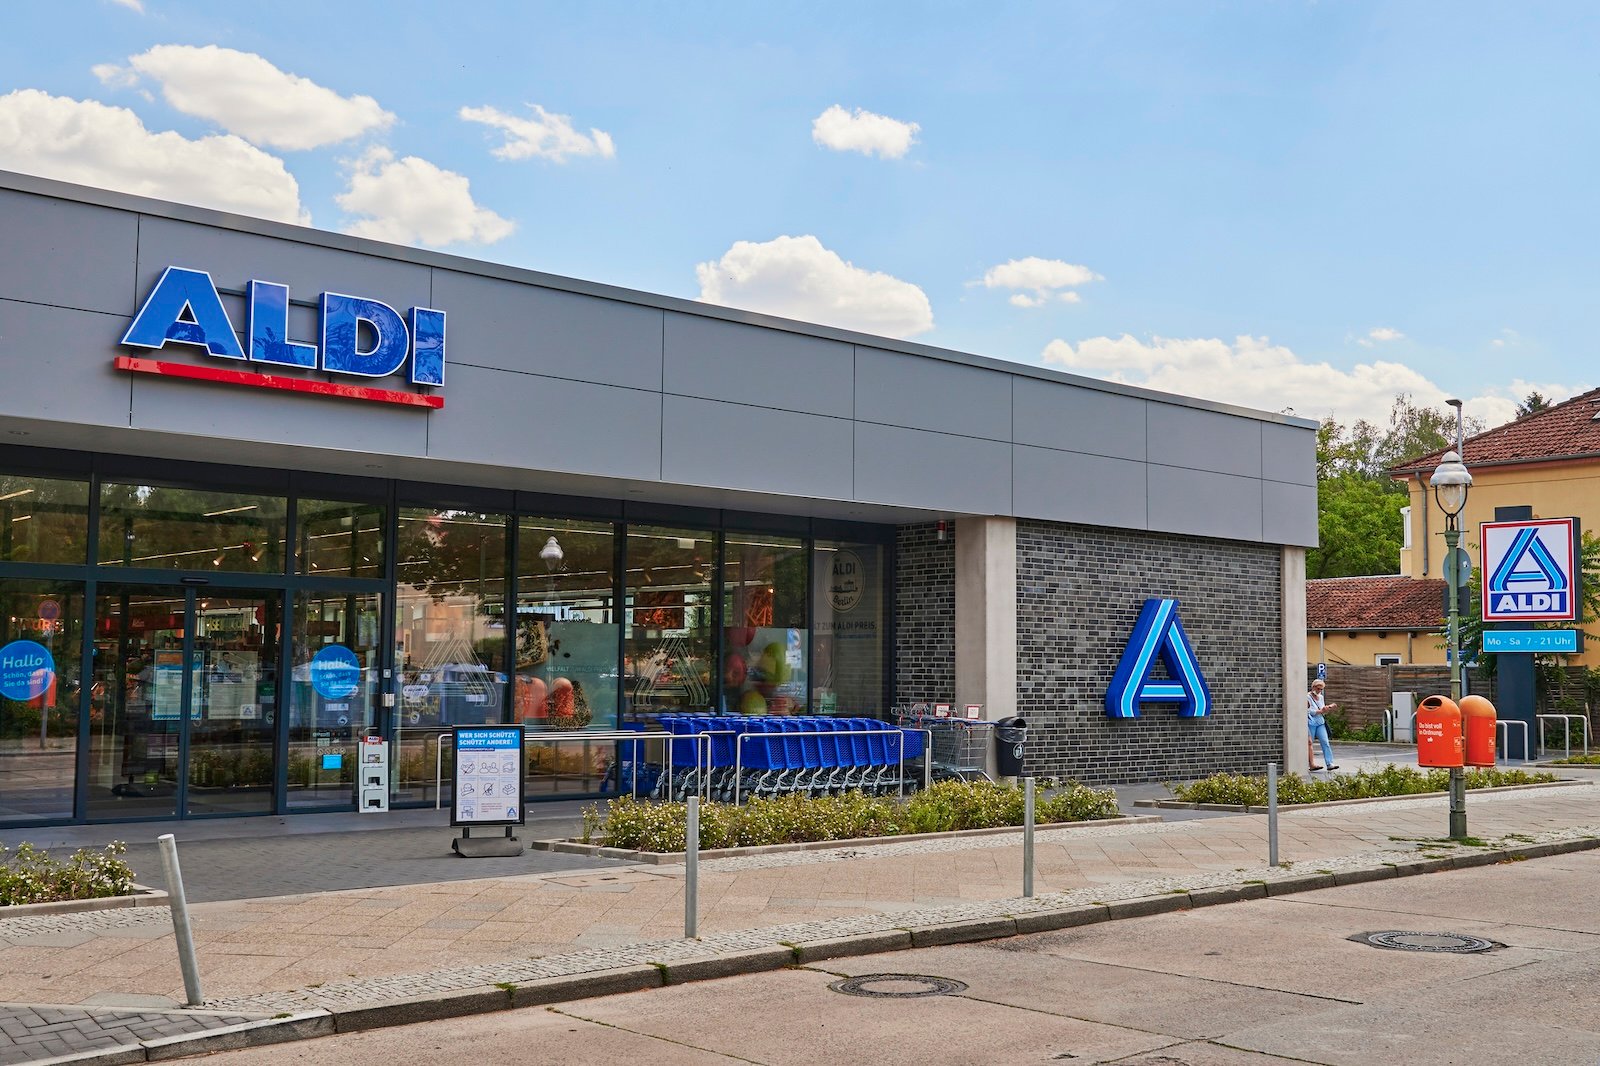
(1158, 634)
(359, 337)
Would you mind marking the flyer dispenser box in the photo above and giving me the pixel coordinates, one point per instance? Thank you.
(1439, 739)
(1478, 725)
(372, 780)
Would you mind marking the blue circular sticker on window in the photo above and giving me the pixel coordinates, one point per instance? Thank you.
(335, 672)
(27, 670)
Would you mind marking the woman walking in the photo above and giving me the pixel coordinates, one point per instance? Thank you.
(1317, 726)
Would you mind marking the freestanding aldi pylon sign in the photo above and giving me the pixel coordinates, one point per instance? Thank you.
(1530, 570)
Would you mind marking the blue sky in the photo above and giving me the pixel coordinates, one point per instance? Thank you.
(1312, 206)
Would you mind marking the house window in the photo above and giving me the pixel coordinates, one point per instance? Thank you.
(1387, 660)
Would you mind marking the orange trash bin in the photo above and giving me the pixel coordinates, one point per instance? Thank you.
(1477, 724)
(1439, 738)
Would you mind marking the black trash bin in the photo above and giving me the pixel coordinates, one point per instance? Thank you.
(1010, 737)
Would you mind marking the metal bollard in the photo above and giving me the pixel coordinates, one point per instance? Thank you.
(691, 870)
(1272, 813)
(1027, 837)
(180, 918)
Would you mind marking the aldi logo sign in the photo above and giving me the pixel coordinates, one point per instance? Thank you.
(1158, 637)
(1530, 570)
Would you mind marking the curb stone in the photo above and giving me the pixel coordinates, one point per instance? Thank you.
(302, 1026)
(1300, 883)
(1141, 906)
(426, 1008)
(1062, 918)
(583, 986)
(1210, 897)
(932, 936)
(842, 947)
(729, 964)
(111, 1056)
(140, 897)
(1370, 873)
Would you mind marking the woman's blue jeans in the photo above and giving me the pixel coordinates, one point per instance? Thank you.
(1319, 732)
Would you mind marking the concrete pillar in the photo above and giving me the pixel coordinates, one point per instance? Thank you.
(1294, 660)
(986, 615)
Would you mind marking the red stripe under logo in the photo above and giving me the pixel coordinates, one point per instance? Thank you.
(272, 381)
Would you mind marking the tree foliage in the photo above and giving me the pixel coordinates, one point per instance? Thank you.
(1532, 404)
(1358, 504)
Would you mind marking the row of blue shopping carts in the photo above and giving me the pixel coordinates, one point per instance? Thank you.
(729, 757)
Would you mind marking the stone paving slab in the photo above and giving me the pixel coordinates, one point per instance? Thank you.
(34, 1033)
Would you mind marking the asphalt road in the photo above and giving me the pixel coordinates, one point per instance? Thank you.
(1280, 980)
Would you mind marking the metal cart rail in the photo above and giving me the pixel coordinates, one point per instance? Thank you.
(958, 747)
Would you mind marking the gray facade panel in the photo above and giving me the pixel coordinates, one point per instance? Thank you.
(58, 365)
(1204, 440)
(1289, 514)
(920, 469)
(1205, 504)
(903, 390)
(732, 446)
(1075, 419)
(534, 330)
(718, 360)
(231, 413)
(234, 259)
(1073, 487)
(1288, 454)
(73, 255)
(529, 422)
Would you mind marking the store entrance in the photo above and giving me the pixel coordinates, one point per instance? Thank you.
(184, 701)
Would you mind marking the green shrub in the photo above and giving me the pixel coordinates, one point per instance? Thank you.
(1389, 780)
(30, 875)
(948, 806)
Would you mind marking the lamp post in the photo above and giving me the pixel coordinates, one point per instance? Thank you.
(1450, 483)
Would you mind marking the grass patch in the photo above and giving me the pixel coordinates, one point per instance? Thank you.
(30, 875)
(1364, 784)
(946, 807)
(1579, 760)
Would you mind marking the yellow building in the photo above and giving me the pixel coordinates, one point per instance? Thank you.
(1374, 621)
(1549, 462)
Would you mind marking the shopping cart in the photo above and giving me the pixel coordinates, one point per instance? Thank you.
(960, 750)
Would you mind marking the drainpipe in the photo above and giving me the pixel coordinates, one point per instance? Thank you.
(1425, 541)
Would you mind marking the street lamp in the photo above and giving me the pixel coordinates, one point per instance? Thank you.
(1450, 483)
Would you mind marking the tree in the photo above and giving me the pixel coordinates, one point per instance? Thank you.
(1532, 404)
(1358, 503)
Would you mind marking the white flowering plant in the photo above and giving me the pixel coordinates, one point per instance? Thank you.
(30, 875)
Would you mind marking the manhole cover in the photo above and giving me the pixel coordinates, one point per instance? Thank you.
(1447, 943)
(897, 986)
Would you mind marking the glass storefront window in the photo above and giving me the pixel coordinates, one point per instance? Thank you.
(566, 646)
(41, 641)
(764, 625)
(334, 539)
(163, 528)
(848, 632)
(43, 520)
(667, 654)
(450, 634)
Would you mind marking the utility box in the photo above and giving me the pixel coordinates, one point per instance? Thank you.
(1404, 703)
(372, 782)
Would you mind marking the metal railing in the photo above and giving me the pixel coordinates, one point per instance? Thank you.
(1566, 730)
(1502, 737)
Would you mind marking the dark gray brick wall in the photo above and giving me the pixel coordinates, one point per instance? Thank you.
(1079, 592)
(924, 616)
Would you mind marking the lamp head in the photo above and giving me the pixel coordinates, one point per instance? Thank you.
(552, 554)
(1450, 482)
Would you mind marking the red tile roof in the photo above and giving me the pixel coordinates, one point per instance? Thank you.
(1374, 603)
(1566, 431)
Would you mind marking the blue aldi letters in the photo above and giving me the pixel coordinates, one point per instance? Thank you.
(1158, 634)
(184, 308)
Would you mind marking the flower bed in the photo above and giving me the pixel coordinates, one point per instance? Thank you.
(1246, 790)
(30, 875)
(949, 806)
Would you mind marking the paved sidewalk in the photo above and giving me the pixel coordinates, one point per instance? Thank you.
(337, 949)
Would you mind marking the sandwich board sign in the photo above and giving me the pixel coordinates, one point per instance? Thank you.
(1530, 570)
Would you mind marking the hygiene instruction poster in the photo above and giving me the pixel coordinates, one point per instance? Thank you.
(488, 776)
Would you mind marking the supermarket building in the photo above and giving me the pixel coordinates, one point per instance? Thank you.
(265, 490)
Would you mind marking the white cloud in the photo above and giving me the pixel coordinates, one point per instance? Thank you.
(245, 94)
(1041, 280)
(131, 5)
(796, 277)
(864, 132)
(1253, 372)
(1507, 336)
(411, 201)
(1379, 335)
(90, 143)
(545, 135)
